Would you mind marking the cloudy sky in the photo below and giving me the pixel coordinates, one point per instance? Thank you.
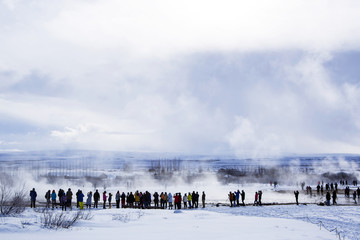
(252, 78)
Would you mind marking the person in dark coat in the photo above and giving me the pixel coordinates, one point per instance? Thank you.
(328, 197)
(243, 197)
(296, 193)
(334, 196)
(69, 195)
(96, 198)
(123, 199)
(203, 199)
(156, 199)
(80, 199)
(60, 193)
(260, 196)
(33, 196)
(77, 198)
(48, 198)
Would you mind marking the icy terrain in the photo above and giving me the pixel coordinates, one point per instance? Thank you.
(212, 223)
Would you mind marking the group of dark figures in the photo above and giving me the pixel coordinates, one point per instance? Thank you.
(331, 191)
(129, 200)
(234, 198)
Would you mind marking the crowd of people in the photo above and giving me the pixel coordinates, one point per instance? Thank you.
(137, 199)
(164, 200)
(234, 198)
(331, 191)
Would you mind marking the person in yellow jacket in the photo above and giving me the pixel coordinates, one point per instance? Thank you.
(189, 200)
(137, 199)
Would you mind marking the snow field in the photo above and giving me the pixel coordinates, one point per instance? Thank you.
(211, 223)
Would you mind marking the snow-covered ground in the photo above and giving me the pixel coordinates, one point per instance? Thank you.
(250, 222)
(212, 223)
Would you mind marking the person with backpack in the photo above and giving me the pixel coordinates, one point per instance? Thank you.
(33, 196)
(48, 197)
(96, 198)
(69, 195)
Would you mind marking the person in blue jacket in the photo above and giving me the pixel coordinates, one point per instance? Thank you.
(33, 196)
(53, 199)
(237, 196)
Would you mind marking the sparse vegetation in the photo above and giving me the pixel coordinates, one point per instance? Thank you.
(12, 202)
(55, 220)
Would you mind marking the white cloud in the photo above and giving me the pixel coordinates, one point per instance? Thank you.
(155, 75)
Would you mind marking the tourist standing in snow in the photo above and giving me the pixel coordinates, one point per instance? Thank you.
(328, 197)
(170, 200)
(96, 198)
(60, 194)
(256, 198)
(354, 197)
(117, 199)
(193, 199)
(243, 197)
(48, 197)
(80, 198)
(260, 197)
(104, 199)
(189, 199)
(231, 196)
(33, 196)
(88, 200)
(185, 200)
(334, 196)
(69, 195)
(296, 193)
(63, 201)
(156, 199)
(77, 198)
(53, 199)
(123, 199)
(110, 198)
(203, 196)
(237, 196)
